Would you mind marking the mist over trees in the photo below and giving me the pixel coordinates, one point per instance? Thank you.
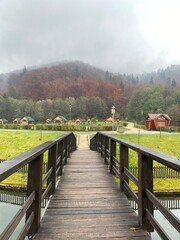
(49, 91)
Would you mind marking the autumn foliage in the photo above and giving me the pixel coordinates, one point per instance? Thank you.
(66, 80)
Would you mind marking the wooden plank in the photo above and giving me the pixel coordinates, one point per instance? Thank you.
(88, 204)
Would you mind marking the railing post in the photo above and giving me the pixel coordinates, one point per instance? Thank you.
(68, 146)
(106, 145)
(60, 155)
(112, 155)
(35, 184)
(52, 157)
(73, 143)
(101, 144)
(65, 146)
(145, 181)
(124, 163)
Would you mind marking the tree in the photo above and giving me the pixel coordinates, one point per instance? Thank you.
(97, 108)
(144, 101)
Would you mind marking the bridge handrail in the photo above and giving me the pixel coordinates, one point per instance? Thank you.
(108, 146)
(59, 150)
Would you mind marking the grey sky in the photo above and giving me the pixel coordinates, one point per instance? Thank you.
(126, 36)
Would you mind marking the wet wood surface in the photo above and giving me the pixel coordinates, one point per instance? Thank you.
(88, 204)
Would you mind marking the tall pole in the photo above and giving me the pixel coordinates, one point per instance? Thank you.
(70, 107)
(113, 113)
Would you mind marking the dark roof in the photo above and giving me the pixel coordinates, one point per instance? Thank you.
(3, 119)
(59, 118)
(30, 119)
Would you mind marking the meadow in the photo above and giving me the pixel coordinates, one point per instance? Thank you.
(13, 143)
(166, 143)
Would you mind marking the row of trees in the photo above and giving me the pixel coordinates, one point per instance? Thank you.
(156, 99)
(152, 99)
(70, 108)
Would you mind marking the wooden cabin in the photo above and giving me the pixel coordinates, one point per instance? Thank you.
(110, 119)
(78, 120)
(3, 121)
(17, 120)
(48, 120)
(27, 120)
(154, 121)
(60, 119)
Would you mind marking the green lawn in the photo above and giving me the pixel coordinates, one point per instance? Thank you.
(167, 143)
(13, 143)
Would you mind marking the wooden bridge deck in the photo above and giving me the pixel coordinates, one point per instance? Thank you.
(88, 204)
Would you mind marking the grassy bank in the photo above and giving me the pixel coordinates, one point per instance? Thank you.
(14, 143)
(166, 143)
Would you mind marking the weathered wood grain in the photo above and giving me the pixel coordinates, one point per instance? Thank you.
(88, 204)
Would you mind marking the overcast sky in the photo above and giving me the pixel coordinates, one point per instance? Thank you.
(125, 36)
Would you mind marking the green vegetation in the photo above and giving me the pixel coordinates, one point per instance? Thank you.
(15, 142)
(166, 143)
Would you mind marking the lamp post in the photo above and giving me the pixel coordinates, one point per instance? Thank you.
(113, 113)
(70, 107)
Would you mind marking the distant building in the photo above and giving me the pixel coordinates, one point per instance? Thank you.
(78, 120)
(3, 121)
(110, 119)
(48, 120)
(154, 121)
(27, 120)
(17, 120)
(60, 119)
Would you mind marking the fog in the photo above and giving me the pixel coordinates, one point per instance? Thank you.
(125, 36)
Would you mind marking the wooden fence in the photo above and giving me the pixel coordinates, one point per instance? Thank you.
(158, 171)
(145, 199)
(58, 150)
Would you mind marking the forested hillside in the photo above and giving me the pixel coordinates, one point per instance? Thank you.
(48, 91)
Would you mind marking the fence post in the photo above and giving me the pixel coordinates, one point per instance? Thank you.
(35, 184)
(124, 163)
(106, 146)
(112, 155)
(68, 145)
(102, 144)
(65, 147)
(60, 155)
(145, 179)
(73, 143)
(52, 157)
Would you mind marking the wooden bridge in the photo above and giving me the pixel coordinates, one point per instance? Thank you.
(87, 202)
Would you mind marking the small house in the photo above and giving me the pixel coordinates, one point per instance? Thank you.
(27, 120)
(17, 120)
(3, 121)
(60, 119)
(48, 120)
(154, 121)
(110, 119)
(78, 120)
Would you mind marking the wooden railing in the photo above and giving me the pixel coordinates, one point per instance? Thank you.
(115, 153)
(39, 186)
(158, 171)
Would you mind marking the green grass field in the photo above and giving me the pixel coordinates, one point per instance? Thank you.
(166, 143)
(13, 143)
